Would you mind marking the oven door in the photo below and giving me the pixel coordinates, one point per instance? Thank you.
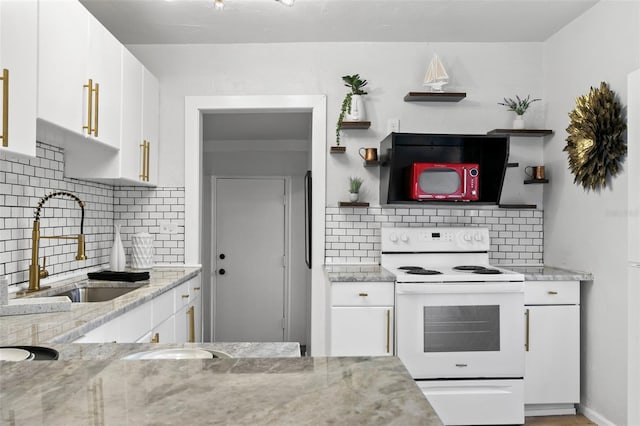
(461, 330)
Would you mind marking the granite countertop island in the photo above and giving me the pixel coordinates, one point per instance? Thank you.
(242, 391)
(261, 383)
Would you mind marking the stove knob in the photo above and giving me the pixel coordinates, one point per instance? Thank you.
(393, 237)
(478, 237)
(404, 238)
(467, 237)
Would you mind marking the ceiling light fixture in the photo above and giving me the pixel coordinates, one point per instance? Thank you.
(287, 2)
(218, 4)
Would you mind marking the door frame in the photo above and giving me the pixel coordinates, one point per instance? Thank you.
(195, 107)
(286, 308)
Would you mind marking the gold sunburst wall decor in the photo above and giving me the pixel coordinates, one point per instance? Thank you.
(596, 142)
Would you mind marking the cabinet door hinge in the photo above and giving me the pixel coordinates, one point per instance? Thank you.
(283, 322)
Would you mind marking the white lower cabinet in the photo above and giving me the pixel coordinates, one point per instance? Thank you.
(361, 319)
(552, 351)
(172, 317)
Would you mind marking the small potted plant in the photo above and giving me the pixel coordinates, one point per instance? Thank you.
(352, 108)
(519, 106)
(354, 188)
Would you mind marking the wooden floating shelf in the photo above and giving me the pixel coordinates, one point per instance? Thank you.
(518, 206)
(373, 163)
(513, 164)
(352, 204)
(521, 132)
(434, 96)
(338, 149)
(355, 125)
(528, 181)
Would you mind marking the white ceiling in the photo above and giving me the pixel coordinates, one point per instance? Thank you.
(267, 21)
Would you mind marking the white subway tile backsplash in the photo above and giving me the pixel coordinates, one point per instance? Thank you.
(23, 182)
(516, 235)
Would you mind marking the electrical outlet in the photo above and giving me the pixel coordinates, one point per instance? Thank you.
(393, 125)
(167, 227)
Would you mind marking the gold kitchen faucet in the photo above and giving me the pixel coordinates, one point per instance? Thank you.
(35, 272)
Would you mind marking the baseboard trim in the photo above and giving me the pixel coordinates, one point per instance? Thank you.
(594, 416)
(549, 410)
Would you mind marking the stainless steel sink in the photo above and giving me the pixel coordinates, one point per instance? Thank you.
(94, 293)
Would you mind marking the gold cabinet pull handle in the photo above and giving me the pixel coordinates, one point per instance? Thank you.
(146, 159)
(5, 107)
(143, 157)
(144, 174)
(185, 296)
(196, 288)
(192, 327)
(97, 104)
(552, 292)
(155, 338)
(363, 294)
(89, 126)
(526, 341)
(388, 330)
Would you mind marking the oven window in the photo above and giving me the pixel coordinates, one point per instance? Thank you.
(439, 181)
(461, 328)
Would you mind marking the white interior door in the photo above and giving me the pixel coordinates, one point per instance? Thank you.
(249, 259)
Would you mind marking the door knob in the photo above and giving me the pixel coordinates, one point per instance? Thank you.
(222, 256)
(222, 271)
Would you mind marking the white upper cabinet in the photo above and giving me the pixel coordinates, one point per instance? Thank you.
(139, 132)
(18, 70)
(79, 73)
(131, 152)
(136, 161)
(105, 71)
(150, 122)
(95, 99)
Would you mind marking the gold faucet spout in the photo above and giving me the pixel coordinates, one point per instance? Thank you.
(35, 272)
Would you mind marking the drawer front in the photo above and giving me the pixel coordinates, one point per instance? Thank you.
(552, 292)
(195, 287)
(362, 294)
(163, 307)
(182, 296)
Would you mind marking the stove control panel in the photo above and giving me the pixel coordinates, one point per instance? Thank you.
(454, 239)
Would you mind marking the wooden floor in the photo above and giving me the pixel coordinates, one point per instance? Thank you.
(578, 420)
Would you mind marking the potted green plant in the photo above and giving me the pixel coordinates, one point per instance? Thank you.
(354, 188)
(352, 108)
(519, 106)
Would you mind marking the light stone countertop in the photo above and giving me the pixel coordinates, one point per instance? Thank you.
(61, 327)
(358, 273)
(549, 273)
(113, 351)
(376, 273)
(239, 391)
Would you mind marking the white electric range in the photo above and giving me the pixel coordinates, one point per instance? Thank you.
(459, 322)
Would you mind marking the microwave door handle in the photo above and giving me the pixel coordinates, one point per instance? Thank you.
(464, 181)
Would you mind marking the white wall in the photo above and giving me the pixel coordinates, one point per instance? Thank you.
(486, 71)
(588, 230)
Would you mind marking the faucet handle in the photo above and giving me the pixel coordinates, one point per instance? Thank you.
(43, 271)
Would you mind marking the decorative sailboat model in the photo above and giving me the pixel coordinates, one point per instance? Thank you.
(436, 75)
